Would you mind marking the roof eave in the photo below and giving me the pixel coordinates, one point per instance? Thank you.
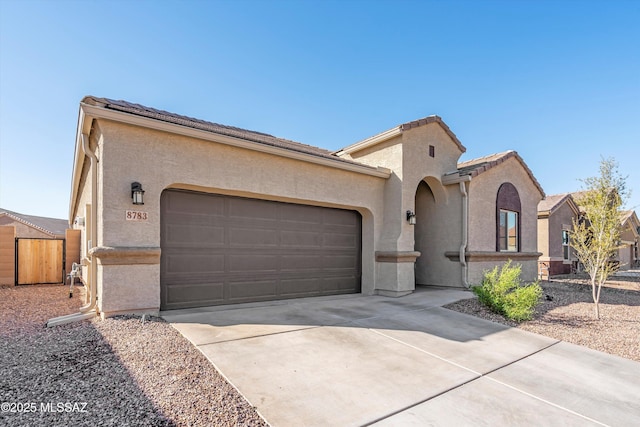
(392, 133)
(369, 142)
(89, 112)
(481, 168)
(29, 224)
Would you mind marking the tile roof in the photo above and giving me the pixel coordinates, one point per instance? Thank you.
(383, 136)
(248, 135)
(477, 166)
(52, 226)
(551, 203)
(434, 119)
(629, 216)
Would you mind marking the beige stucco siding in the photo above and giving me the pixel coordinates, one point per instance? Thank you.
(163, 156)
(439, 215)
(439, 220)
(131, 289)
(543, 238)
(562, 217)
(628, 238)
(160, 160)
(483, 190)
(482, 206)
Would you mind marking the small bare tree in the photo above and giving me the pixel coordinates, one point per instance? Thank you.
(596, 233)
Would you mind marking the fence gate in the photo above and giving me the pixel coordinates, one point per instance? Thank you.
(39, 261)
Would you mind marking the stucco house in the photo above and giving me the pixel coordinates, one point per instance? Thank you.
(30, 226)
(177, 212)
(555, 221)
(629, 252)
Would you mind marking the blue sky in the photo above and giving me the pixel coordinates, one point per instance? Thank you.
(557, 81)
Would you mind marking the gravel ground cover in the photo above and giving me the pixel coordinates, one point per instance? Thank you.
(126, 372)
(117, 372)
(568, 314)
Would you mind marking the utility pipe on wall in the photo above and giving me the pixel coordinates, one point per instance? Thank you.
(465, 233)
(89, 310)
(93, 270)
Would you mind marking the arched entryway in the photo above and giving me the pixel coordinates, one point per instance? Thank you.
(428, 234)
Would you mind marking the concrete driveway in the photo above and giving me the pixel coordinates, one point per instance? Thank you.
(360, 360)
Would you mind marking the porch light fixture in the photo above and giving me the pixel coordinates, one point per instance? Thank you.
(411, 217)
(137, 193)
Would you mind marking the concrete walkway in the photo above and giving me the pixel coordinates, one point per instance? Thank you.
(361, 360)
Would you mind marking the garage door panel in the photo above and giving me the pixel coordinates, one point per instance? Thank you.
(192, 204)
(338, 262)
(252, 262)
(340, 284)
(252, 289)
(332, 240)
(296, 262)
(190, 263)
(298, 239)
(301, 214)
(292, 288)
(193, 295)
(192, 235)
(252, 238)
(341, 218)
(254, 250)
(252, 209)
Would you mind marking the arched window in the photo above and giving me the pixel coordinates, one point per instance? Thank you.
(508, 219)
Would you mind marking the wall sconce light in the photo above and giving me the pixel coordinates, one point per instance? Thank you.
(137, 193)
(411, 217)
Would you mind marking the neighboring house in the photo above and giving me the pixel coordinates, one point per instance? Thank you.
(233, 216)
(628, 255)
(34, 226)
(555, 221)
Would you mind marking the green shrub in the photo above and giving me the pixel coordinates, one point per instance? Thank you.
(504, 293)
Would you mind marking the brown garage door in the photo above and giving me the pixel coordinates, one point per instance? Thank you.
(221, 250)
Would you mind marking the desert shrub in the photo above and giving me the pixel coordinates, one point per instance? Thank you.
(504, 293)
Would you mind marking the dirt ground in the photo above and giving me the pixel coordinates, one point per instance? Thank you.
(567, 313)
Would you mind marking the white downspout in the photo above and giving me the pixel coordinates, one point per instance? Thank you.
(93, 270)
(89, 310)
(465, 233)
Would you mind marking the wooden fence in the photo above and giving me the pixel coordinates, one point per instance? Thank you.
(39, 261)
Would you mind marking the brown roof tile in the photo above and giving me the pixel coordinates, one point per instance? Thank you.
(477, 166)
(434, 119)
(550, 203)
(53, 226)
(191, 122)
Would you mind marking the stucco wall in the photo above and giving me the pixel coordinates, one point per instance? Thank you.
(543, 238)
(438, 209)
(83, 206)
(626, 251)
(476, 270)
(482, 206)
(438, 230)
(550, 240)
(161, 160)
(483, 190)
(562, 217)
